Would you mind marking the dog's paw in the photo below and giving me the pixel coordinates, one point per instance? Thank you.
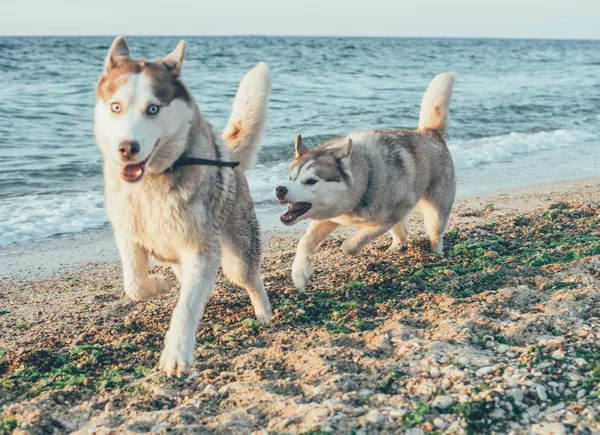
(350, 248)
(155, 285)
(177, 357)
(264, 317)
(395, 247)
(301, 274)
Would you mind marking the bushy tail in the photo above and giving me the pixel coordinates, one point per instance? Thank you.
(248, 116)
(434, 107)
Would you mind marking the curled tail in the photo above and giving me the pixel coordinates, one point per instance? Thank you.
(248, 116)
(434, 107)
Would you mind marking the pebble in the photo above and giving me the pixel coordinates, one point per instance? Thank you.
(159, 427)
(516, 394)
(415, 431)
(440, 423)
(502, 348)
(397, 413)
(490, 344)
(374, 417)
(434, 372)
(558, 355)
(552, 429)
(580, 362)
(541, 392)
(162, 391)
(484, 371)
(442, 402)
(210, 390)
(581, 394)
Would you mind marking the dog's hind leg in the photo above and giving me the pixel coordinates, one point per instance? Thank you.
(199, 273)
(139, 286)
(355, 244)
(435, 215)
(399, 236)
(241, 264)
(314, 236)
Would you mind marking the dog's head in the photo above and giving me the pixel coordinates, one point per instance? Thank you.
(320, 182)
(143, 111)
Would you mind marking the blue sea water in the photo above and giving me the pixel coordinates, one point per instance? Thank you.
(523, 111)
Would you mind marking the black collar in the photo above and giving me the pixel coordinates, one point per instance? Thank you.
(188, 161)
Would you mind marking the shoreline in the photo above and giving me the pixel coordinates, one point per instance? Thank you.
(70, 253)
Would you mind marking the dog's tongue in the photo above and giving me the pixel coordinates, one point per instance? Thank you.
(132, 173)
(295, 210)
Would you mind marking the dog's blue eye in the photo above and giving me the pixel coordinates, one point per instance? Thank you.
(152, 109)
(310, 181)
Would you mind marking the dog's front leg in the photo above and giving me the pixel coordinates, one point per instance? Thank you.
(355, 243)
(314, 236)
(198, 275)
(139, 286)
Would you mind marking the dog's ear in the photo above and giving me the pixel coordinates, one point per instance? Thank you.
(301, 149)
(345, 151)
(117, 51)
(174, 60)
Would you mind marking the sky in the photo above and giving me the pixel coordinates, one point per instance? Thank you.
(554, 19)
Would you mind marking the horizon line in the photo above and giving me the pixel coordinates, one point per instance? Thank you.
(247, 35)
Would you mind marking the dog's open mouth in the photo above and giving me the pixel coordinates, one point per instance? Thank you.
(133, 173)
(295, 210)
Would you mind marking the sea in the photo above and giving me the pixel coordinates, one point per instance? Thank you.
(523, 111)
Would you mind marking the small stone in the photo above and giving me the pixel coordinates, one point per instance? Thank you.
(502, 348)
(162, 391)
(397, 413)
(541, 392)
(555, 408)
(374, 417)
(484, 371)
(490, 344)
(434, 372)
(160, 427)
(581, 394)
(464, 361)
(541, 283)
(210, 390)
(558, 355)
(442, 402)
(415, 431)
(552, 429)
(580, 362)
(440, 423)
(497, 414)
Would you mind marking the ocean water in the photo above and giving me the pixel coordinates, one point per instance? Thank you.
(523, 111)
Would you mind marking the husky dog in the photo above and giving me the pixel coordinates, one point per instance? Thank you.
(372, 180)
(193, 218)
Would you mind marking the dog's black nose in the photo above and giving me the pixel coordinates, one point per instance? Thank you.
(129, 148)
(281, 191)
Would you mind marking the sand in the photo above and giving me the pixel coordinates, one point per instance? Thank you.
(499, 335)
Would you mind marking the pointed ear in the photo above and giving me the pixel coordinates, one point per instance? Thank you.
(301, 149)
(345, 151)
(117, 50)
(174, 60)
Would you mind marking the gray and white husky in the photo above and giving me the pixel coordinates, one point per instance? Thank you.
(191, 217)
(372, 180)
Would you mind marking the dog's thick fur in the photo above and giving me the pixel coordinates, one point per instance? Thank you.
(194, 218)
(372, 180)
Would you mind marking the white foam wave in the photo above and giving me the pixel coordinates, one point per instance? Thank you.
(475, 152)
(34, 217)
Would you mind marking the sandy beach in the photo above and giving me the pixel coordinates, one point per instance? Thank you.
(500, 335)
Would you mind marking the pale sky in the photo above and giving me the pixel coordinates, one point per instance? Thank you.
(576, 19)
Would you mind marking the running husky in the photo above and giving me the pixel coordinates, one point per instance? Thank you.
(372, 180)
(162, 204)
